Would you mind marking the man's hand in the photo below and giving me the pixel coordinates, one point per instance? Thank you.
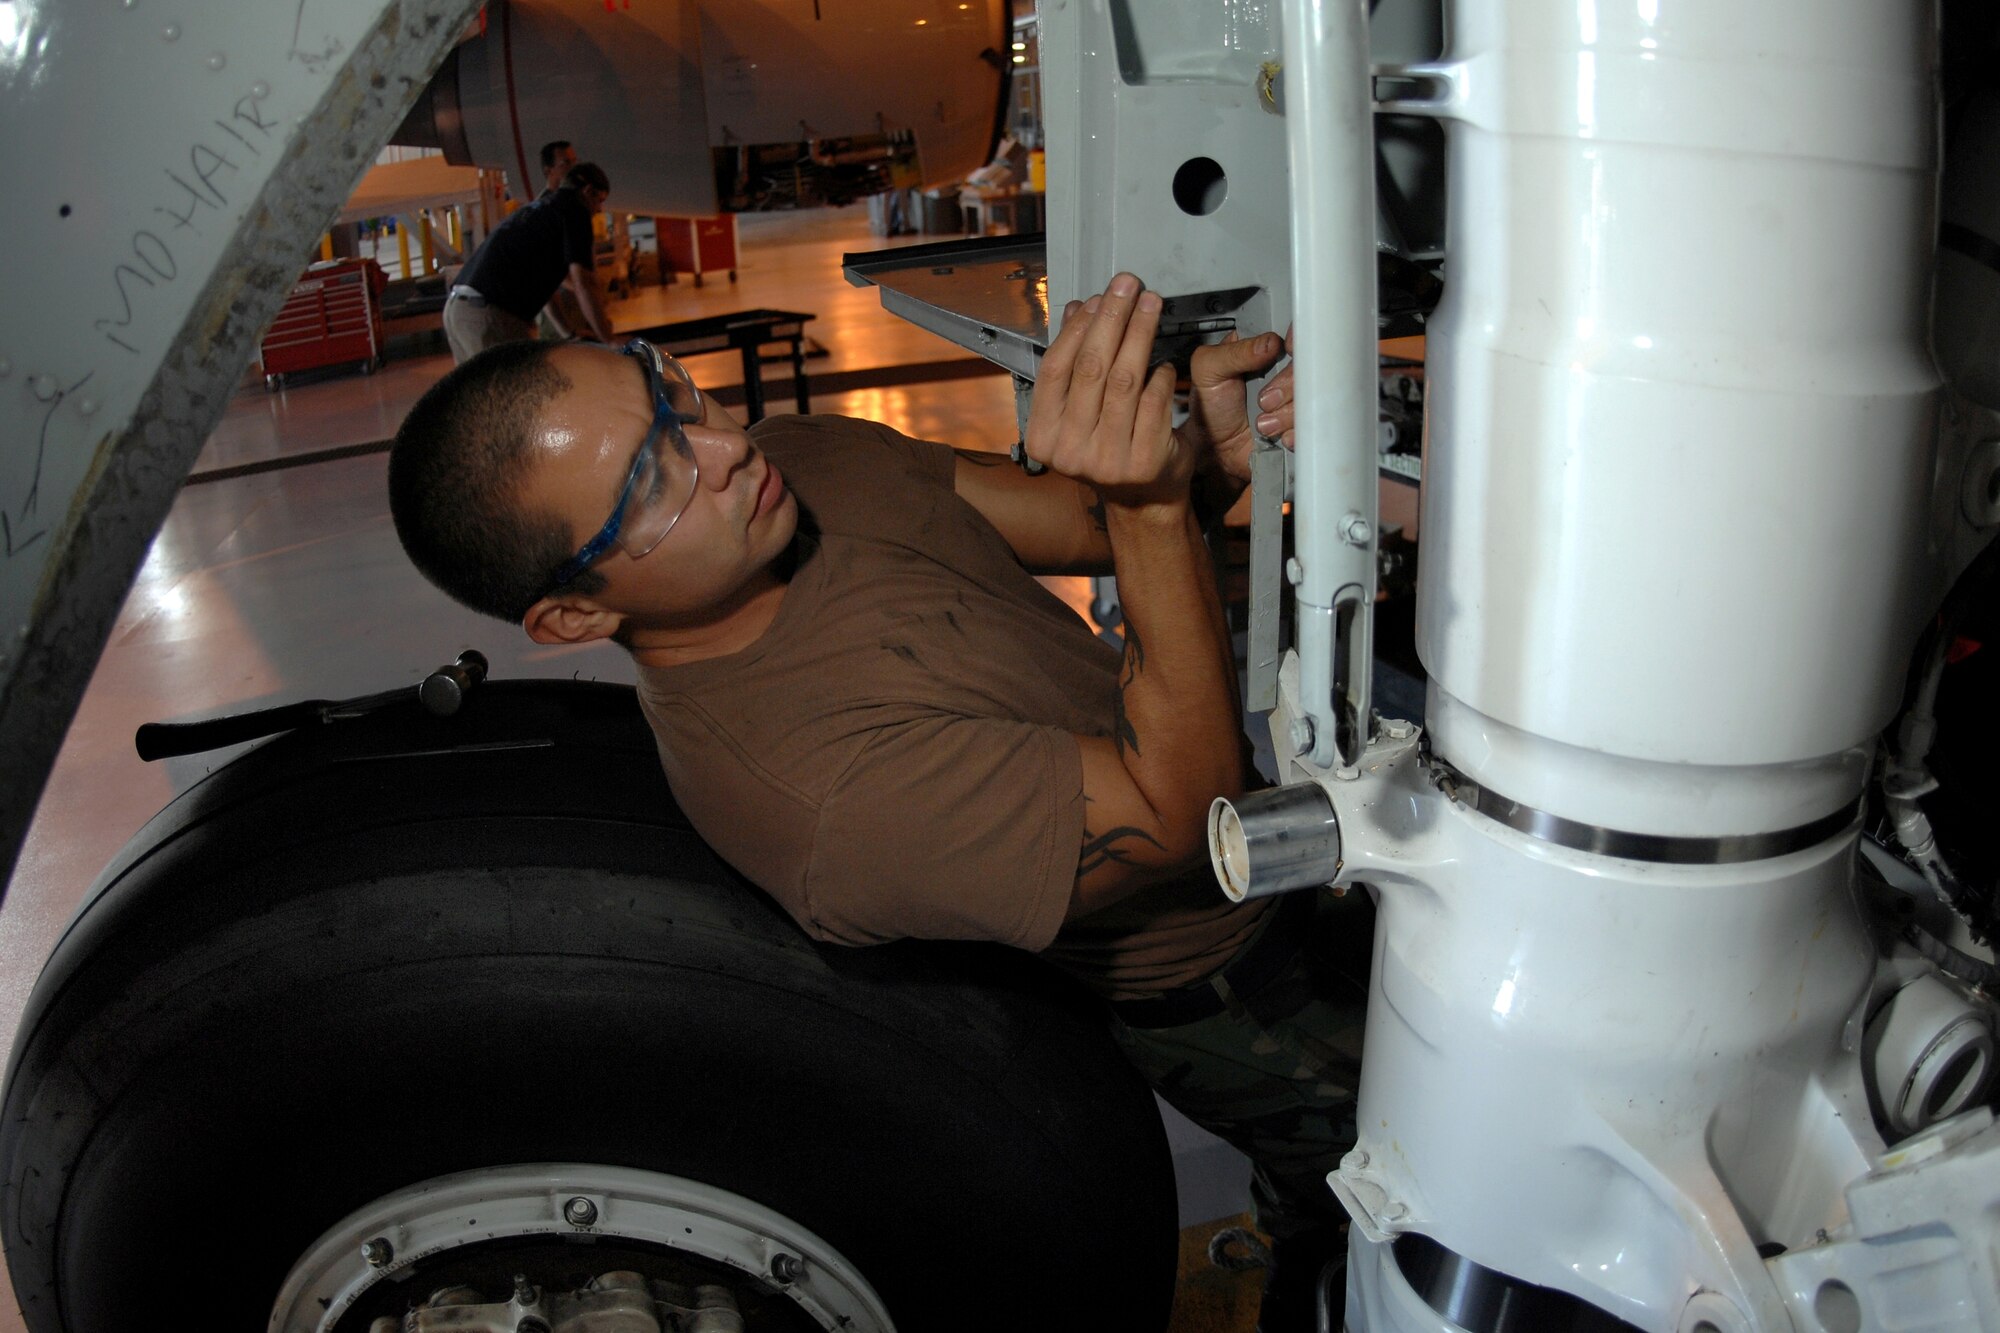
(1218, 424)
(1099, 416)
(597, 323)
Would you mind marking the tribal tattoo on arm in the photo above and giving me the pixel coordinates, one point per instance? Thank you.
(1097, 518)
(1109, 848)
(1123, 731)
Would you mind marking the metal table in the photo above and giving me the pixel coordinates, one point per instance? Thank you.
(745, 331)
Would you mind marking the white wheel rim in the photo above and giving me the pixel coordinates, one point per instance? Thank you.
(434, 1217)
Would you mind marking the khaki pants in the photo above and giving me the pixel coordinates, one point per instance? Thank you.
(472, 324)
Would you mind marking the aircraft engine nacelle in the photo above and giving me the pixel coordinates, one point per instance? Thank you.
(732, 105)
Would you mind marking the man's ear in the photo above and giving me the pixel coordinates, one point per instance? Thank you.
(568, 618)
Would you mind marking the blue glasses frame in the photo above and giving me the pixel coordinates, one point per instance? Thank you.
(666, 417)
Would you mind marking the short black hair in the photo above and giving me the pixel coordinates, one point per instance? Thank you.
(551, 150)
(455, 475)
(586, 173)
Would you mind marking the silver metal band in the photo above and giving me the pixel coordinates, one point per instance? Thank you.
(1669, 849)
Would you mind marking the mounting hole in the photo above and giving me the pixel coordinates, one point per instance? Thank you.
(1200, 186)
(1837, 1308)
(63, 211)
(1955, 1084)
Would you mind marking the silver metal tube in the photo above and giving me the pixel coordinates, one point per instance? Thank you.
(1271, 841)
(1330, 127)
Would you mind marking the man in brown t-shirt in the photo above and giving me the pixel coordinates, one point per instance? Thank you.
(867, 704)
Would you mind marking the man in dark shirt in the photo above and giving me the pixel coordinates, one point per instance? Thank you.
(558, 156)
(522, 264)
(561, 317)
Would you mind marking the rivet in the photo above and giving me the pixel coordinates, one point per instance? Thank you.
(1294, 571)
(171, 33)
(45, 387)
(260, 90)
(86, 405)
(217, 61)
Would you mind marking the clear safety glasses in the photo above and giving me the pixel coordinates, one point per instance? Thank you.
(658, 489)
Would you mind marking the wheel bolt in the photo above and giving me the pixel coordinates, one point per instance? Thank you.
(580, 1212)
(788, 1268)
(378, 1252)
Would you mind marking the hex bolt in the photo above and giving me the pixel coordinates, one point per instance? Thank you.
(1398, 729)
(1356, 530)
(1347, 772)
(1302, 734)
(1394, 1211)
(788, 1268)
(1355, 1161)
(580, 1212)
(378, 1252)
(524, 1291)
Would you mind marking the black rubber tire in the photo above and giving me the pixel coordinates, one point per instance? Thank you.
(386, 950)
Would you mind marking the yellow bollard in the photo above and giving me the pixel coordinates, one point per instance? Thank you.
(325, 246)
(403, 247)
(424, 235)
(455, 232)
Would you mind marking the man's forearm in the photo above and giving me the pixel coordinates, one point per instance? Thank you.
(1178, 718)
(593, 309)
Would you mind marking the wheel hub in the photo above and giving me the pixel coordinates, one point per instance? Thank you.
(541, 1219)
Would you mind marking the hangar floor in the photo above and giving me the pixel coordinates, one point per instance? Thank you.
(277, 577)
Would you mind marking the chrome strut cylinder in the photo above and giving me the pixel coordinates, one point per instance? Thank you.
(1270, 841)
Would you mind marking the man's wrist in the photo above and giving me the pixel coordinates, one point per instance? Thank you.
(1170, 514)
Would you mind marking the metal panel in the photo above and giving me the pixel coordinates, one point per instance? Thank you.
(169, 202)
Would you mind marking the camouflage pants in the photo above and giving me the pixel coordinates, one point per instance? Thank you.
(1275, 1073)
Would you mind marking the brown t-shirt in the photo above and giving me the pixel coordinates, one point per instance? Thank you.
(895, 756)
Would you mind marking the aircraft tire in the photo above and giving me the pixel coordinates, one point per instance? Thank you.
(382, 951)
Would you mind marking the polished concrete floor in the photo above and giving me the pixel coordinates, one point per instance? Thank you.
(267, 586)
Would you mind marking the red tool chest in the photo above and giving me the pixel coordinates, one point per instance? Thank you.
(697, 245)
(332, 317)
